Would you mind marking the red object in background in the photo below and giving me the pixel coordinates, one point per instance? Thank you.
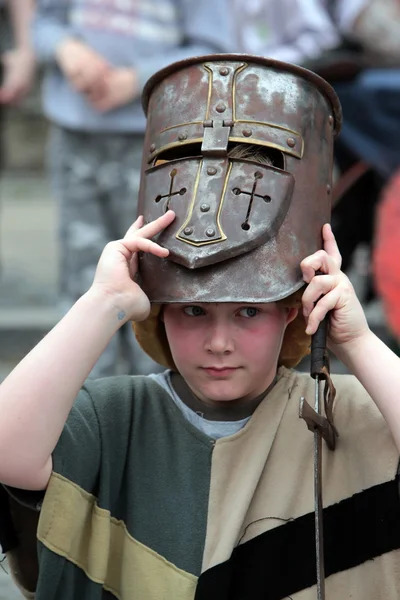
(386, 254)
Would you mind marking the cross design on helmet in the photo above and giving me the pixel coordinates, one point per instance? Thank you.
(171, 193)
(253, 195)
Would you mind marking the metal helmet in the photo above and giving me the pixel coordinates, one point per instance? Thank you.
(241, 148)
(242, 226)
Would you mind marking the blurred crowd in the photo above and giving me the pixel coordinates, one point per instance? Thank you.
(93, 58)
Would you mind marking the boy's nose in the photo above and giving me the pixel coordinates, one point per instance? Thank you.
(219, 340)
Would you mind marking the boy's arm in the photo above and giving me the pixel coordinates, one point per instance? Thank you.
(349, 337)
(36, 398)
(378, 370)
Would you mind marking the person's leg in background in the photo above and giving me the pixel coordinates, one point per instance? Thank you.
(96, 183)
(74, 164)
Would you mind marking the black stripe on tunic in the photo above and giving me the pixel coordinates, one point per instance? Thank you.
(282, 561)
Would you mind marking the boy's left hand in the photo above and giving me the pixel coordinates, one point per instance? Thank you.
(331, 292)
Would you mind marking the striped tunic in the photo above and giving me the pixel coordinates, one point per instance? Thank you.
(143, 506)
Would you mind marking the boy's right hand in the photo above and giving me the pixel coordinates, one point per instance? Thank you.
(118, 266)
(84, 68)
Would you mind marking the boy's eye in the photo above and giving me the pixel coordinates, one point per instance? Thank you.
(249, 311)
(193, 311)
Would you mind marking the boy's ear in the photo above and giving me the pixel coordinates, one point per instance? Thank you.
(291, 315)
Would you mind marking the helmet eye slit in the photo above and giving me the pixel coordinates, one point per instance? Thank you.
(264, 155)
(170, 193)
(253, 196)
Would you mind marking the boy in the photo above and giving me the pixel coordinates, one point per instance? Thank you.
(197, 483)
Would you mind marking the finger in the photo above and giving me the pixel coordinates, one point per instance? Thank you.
(156, 226)
(79, 82)
(319, 286)
(6, 95)
(321, 309)
(102, 104)
(95, 94)
(330, 244)
(135, 226)
(93, 91)
(85, 81)
(10, 96)
(97, 81)
(140, 244)
(319, 261)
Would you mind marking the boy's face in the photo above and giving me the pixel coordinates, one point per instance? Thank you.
(226, 351)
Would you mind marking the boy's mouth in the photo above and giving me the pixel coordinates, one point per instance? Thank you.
(219, 371)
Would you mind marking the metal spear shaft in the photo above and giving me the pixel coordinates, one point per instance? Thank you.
(318, 360)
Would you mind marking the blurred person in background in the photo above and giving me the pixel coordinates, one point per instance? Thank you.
(371, 100)
(371, 103)
(289, 30)
(375, 24)
(97, 57)
(17, 61)
(346, 42)
(317, 33)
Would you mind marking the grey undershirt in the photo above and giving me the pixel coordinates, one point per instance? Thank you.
(214, 429)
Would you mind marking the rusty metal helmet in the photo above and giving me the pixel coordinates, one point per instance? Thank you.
(241, 148)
